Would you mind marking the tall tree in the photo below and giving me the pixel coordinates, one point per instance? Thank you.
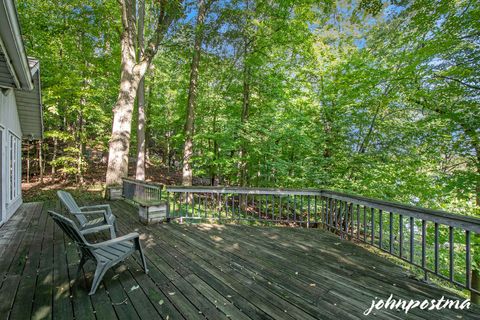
(132, 72)
(140, 173)
(187, 174)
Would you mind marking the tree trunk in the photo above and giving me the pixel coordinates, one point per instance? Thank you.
(213, 166)
(245, 107)
(140, 172)
(28, 161)
(40, 162)
(187, 174)
(54, 156)
(475, 297)
(245, 114)
(131, 74)
(80, 146)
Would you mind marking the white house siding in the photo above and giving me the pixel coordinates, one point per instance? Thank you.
(11, 134)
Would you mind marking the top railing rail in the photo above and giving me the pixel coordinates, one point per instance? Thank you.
(144, 193)
(439, 216)
(148, 184)
(237, 190)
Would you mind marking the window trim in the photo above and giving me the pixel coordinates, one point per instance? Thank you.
(14, 168)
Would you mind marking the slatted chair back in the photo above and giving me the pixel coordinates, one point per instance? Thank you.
(72, 232)
(71, 205)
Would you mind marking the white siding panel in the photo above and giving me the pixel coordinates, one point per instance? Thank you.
(30, 109)
(8, 112)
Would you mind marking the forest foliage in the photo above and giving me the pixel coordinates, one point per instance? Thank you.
(375, 98)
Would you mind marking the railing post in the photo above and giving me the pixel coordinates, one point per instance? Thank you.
(167, 212)
(475, 277)
(475, 297)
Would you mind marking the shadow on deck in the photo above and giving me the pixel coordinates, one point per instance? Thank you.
(202, 271)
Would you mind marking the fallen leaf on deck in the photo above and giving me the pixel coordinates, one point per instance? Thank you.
(134, 288)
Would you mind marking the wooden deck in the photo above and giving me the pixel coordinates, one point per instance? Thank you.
(202, 271)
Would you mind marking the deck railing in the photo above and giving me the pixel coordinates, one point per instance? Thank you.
(141, 192)
(437, 242)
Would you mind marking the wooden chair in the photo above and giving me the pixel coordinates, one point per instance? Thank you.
(105, 254)
(106, 220)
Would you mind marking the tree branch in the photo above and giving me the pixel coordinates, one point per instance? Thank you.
(471, 86)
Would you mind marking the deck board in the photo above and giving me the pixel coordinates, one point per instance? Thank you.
(201, 271)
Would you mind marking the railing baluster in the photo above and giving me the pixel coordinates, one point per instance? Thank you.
(218, 205)
(301, 209)
(373, 226)
(358, 221)
(328, 212)
(338, 216)
(400, 247)
(346, 218)
(185, 204)
(199, 207)
(205, 204)
(412, 239)
(436, 248)
(246, 213)
(193, 205)
(351, 220)
(273, 207)
(308, 212)
(225, 197)
(468, 262)
(174, 202)
(295, 208)
(451, 257)
(333, 211)
(390, 227)
(324, 202)
(288, 209)
(280, 207)
(364, 224)
(380, 226)
(333, 204)
(341, 210)
(424, 239)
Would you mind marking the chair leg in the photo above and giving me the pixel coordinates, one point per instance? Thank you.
(97, 278)
(80, 265)
(142, 256)
(113, 234)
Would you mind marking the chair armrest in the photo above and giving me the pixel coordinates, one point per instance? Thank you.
(95, 207)
(88, 212)
(127, 237)
(105, 207)
(97, 212)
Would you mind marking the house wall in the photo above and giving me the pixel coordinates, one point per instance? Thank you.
(9, 130)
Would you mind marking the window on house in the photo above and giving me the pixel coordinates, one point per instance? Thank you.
(14, 166)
